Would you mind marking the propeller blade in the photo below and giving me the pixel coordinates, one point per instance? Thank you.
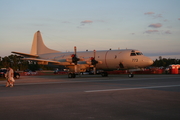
(94, 70)
(75, 50)
(75, 68)
(94, 62)
(75, 60)
(94, 54)
(74, 56)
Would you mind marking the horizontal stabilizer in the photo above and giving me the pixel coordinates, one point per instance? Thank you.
(25, 54)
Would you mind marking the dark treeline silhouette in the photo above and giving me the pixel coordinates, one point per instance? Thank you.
(18, 64)
(164, 62)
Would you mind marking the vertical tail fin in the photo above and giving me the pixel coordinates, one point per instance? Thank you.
(38, 46)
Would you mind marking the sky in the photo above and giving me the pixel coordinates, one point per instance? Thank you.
(150, 26)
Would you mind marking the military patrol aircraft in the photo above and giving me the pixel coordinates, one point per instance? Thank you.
(77, 62)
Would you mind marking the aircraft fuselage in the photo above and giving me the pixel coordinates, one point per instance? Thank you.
(110, 59)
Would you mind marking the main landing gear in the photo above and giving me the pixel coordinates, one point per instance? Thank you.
(104, 74)
(71, 75)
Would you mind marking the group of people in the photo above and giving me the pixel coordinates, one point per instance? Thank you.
(10, 77)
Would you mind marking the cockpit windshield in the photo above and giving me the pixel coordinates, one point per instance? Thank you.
(134, 53)
(139, 53)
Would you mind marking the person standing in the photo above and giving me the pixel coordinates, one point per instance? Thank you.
(10, 77)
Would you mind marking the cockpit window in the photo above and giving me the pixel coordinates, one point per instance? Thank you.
(139, 53)
(134, 53)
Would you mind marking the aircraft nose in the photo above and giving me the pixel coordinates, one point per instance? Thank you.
(149, 61)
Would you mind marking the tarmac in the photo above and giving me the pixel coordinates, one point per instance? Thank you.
(91, 97)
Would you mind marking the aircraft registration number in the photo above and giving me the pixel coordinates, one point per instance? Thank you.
(134, 60)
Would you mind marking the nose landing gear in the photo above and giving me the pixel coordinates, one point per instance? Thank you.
(130, 75)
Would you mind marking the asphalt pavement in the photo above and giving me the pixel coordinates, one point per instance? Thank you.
(91, 97)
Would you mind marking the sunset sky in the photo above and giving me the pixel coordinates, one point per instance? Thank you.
(151, 26)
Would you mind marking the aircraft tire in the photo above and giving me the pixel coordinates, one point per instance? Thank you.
(130, 75)
(71, 75)
(104, 74)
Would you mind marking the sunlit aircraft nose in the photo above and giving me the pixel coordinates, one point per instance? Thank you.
(150, 62)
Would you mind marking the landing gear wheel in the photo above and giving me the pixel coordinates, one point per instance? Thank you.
(104, 74)
(130, 75)
(71, 75)
(74, 75)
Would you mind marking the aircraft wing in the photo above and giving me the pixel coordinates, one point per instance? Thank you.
(45, 61)
(25, 54)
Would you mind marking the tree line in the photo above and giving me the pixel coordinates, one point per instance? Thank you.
(164, 62)
(18, 64)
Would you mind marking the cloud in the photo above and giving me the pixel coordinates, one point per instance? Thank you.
(149, 13)
(157, 31)
(151, 31)
(157, 25)
(167, 32)
(86, 22)
(153, 15)
(65, 22)
(158, 16)
(178, 18)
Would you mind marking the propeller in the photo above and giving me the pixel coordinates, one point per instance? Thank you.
(75, 59)
(94, 62)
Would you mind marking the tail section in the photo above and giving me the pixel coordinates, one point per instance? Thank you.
(38, 46)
